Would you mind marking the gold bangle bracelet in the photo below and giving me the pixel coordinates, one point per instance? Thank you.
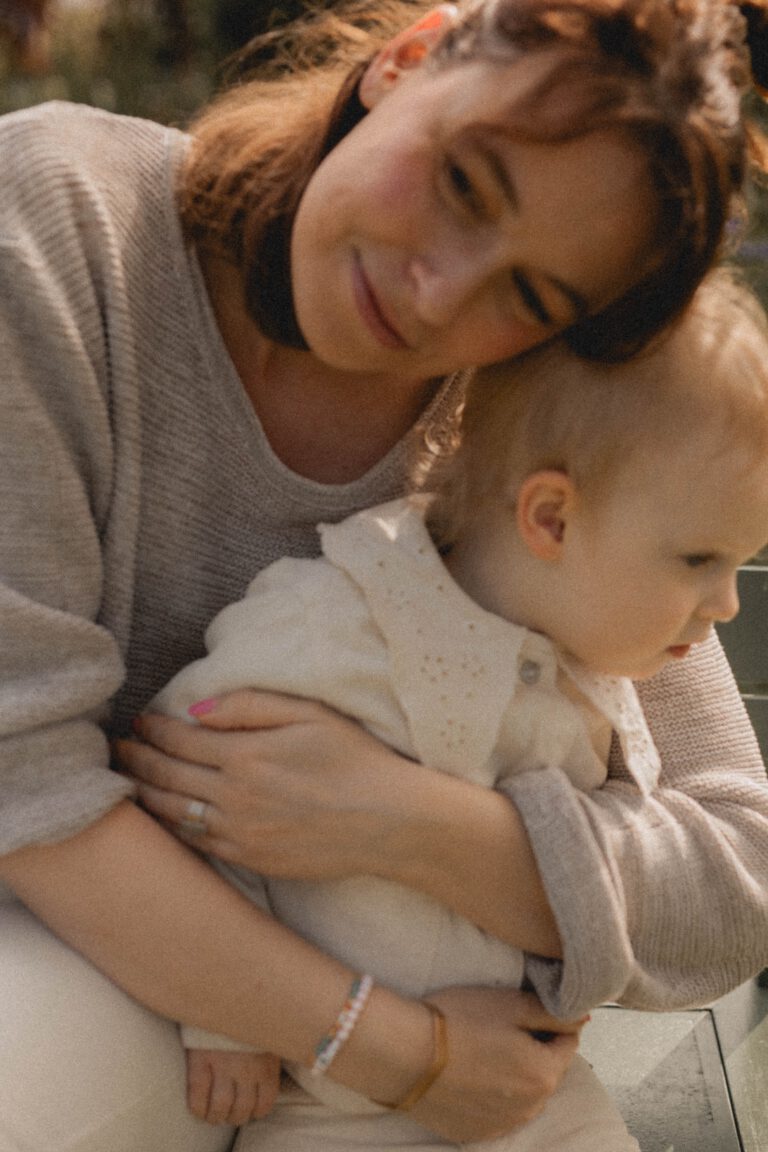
(437, 1064)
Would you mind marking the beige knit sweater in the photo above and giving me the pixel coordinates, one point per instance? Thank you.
(138, 496)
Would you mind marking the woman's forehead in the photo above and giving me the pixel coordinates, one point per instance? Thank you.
(495, 83)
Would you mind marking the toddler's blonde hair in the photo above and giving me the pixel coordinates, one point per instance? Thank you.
(706, 377)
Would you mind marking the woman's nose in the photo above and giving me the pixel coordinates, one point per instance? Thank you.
(443, 283)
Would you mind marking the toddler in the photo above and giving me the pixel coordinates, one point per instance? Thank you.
(584, 529)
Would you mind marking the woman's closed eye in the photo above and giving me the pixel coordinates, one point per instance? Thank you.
(479, 189)
(460, 187)
(531, 299)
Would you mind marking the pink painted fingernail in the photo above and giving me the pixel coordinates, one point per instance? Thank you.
(202, 707)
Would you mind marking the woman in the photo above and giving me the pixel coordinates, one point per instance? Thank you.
(176, 418)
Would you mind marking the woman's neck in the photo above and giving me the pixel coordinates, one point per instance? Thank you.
(323, 423)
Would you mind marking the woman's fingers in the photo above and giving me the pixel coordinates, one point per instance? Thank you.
(183, 741)
(531, 1015)
(250, 708)
(215, 742)
(511, 1008)
(155, 767)
(301, 795)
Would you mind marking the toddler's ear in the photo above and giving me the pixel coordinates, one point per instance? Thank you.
(404, 51)
(542, 508)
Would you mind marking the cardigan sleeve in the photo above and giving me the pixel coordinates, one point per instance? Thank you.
(58, 664)
(662, 903)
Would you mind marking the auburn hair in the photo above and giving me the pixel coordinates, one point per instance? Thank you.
(707, 377)
(667, 74)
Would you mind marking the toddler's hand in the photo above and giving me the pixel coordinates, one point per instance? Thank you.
(231, 1087)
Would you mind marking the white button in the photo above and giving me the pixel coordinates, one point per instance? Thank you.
(530, 672)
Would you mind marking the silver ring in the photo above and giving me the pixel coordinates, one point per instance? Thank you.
(195, 819)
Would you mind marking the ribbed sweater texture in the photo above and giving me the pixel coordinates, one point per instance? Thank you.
(139, 495)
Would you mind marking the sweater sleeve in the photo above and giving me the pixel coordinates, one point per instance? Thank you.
(662, 903)
(58, 664)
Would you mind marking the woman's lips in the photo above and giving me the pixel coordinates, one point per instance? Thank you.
(371, 312)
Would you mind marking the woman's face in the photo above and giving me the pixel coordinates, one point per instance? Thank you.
(429, 240)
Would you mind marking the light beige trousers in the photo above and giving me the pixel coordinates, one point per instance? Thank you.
(83, 1068)
(580, 1117)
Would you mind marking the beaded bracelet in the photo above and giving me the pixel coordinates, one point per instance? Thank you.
(437, 1064)
(329, 1045)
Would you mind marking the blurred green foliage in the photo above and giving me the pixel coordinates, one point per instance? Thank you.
(153, 58)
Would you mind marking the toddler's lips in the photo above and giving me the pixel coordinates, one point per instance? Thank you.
(678, 651)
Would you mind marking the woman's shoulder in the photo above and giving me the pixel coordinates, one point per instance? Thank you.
(59, 133)
(70, 131)
(60, 160)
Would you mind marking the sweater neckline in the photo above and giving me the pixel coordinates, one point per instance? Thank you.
(222, 371)
(225, 383)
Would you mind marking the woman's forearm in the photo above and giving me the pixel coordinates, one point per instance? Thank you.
(300, 791)
(467, 847)
(675, 885)
(170, 932)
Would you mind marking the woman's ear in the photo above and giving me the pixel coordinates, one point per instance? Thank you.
(543, 506)
(405, 51)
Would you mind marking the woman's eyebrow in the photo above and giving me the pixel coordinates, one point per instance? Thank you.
(481, 141)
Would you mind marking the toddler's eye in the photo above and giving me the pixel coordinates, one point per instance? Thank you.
(459, 179)
(697, 559)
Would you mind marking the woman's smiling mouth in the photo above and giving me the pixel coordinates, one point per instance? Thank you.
(370, 310)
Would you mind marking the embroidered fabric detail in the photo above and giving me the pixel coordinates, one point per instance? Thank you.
(469, 671)
(616, 697)
(461, 674)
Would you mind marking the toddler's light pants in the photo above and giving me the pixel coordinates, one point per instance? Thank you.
(83, 1068)
(580, 1117)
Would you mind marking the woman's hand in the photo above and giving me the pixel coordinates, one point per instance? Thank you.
(290, 788)
(498, 1076)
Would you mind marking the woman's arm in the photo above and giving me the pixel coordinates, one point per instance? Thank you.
(297, 790)
(167, 929)
(661, 903)
(675, 888)
(149, 913)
